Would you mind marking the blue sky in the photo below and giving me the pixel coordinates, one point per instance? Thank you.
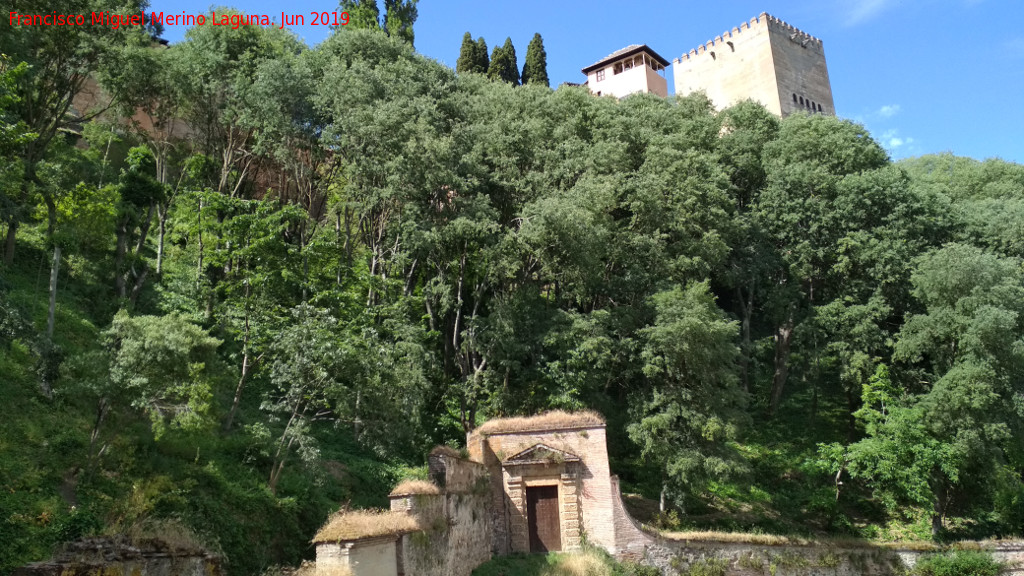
(924, 76)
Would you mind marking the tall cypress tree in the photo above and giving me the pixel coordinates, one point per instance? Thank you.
(510, 50)
(483, 63)
(399, 18)
(362, 14)
(535, 70)
(500, 68)
(468, 60)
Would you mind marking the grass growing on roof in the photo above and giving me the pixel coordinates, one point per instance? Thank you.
(357, 524)
(553, 420)
(415, 487)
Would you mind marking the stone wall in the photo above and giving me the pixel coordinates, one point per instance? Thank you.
(631, 541)
(119, 557)
(677, 557)
(765, 60)
(458, 534)
(800, 70)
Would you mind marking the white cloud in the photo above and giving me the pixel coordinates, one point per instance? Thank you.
(892, 140)
(889, 110)
(863, 10)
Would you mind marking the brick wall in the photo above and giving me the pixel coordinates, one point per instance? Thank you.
(585, 492)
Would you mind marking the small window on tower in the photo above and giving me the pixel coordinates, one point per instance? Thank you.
(819, 107)
(794, 98)
(801, 100)
(600, 75)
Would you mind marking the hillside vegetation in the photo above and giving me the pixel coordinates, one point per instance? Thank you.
(353, 254)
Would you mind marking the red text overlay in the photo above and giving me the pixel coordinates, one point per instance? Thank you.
(235, 21)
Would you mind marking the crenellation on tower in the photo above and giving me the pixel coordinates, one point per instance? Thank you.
(767, 60)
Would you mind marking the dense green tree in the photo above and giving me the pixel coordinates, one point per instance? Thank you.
(513, 61)
(140, 193)
(61, 60)
(503, 66)
(483, 61)
(158, 365)
(13, 131)
(397, 22)
(362, 14)
(468, 59)
(305, 371)
(948, 441)
(399, 17)
(689, 418)
(535, 68)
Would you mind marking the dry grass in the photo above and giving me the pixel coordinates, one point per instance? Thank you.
(738, 538)
(555, 420)
(415, 487)
(359, 524)
(775, 540)
(446, 451)
(579, 564)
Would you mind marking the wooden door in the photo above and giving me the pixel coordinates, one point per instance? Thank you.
(542, 514)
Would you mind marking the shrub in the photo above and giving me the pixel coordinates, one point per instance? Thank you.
(961, 563)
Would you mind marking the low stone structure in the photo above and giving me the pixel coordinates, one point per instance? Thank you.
(543, 484)
(115, 556)
(675, 556)
(550, 484)
(436, 528)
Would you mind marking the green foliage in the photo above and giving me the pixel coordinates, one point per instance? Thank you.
(354, 253)
(483, 61)
(693, 411)
(960, 563)
(468, 59)
(535, 69)
(504, 66)
(158, 365)
(708, 567)
(397, 22)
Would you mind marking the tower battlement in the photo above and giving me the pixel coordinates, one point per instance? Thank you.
(764, 20)
(765, 59)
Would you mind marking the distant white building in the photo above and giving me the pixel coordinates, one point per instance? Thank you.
(633, 69)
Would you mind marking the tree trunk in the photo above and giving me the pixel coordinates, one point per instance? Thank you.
(54, 271)
(783, 340)
(162, 218)
(851, 420)
(746, 307)
(238, 389)
(199, 265)
(938, 511)
(12, 233)
(245, 365)
(120, 253)
(101, 413)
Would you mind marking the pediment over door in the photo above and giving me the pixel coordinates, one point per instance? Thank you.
(540, 454)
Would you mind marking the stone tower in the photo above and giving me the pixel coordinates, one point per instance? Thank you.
(767, 60)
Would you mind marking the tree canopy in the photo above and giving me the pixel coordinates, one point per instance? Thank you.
(280, 274)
